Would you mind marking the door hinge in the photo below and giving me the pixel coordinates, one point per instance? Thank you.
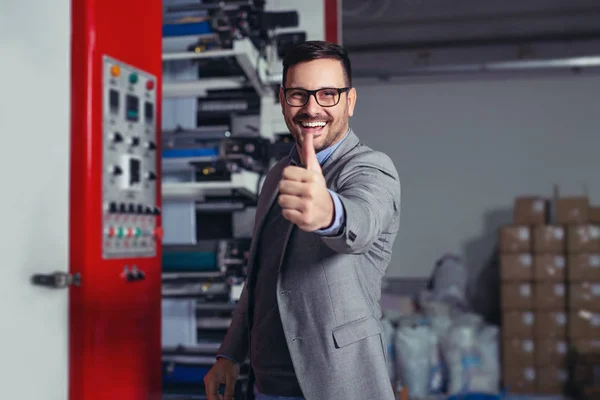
(57, 280)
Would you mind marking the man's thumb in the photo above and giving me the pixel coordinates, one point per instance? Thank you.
(310, 156)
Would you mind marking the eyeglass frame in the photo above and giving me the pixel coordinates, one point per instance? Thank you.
(314, 94)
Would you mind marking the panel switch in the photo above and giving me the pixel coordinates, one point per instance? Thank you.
(151, 146)
(116, 170)
(116, 137)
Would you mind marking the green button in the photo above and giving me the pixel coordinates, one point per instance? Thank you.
(120, 232)
(138, 232)
(133, 78)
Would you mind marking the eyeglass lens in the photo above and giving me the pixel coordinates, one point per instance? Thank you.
(325, 97)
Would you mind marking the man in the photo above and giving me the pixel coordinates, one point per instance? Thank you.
(326, 220)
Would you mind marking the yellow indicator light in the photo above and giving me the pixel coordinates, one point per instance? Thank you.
(115, 71)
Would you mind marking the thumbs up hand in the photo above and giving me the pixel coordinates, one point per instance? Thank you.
(303, 195)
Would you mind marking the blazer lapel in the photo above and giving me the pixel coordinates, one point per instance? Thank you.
(347, 145)
(269, 195)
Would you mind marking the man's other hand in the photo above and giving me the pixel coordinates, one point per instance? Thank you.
(224, 372)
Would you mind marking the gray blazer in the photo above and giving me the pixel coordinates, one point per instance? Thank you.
(329, 291)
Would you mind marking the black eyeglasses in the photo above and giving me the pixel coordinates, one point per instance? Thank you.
(326, 97)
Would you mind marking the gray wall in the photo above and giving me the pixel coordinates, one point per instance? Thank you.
(465, 147)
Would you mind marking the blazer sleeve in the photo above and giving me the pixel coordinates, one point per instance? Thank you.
(369, 189)
(236, 343)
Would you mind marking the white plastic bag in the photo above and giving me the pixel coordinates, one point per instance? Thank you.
(470, 349)
(412, 345)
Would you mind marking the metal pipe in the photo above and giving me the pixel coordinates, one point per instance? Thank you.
(502, 66)
(474, 42)
(207, 6)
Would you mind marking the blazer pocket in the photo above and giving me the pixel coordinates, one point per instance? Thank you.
(357, 330)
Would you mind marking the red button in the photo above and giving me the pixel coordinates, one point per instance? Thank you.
(150, 85)
(111, 232)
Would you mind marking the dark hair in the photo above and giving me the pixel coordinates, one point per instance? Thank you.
(315, 50)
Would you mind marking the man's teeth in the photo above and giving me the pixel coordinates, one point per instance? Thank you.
(313, 124)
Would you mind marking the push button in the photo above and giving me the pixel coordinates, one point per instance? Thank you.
(110, 232)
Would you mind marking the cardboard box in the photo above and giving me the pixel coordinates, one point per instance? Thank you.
(549, 267)
(519, 378)
(518, 324)
(551, 324)
(583, 238)
(584, 324)
(594, 215)
(518, 351)
(548, 239)
(584, 296)
(515, 239)
(550, 296)
(571, 210)
(530, 210)
(551, 380)
(516, 267)
(551, 352)
(583, 267)
(516, 295)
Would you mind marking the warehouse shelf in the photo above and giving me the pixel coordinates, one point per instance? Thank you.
(248, 58)
(216, 306)
(188, 359)
(243, 183)
(200, 87)
(199, 348)
(191, 275)
(213, 323)
(180, 164)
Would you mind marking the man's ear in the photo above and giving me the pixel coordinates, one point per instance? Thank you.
(352, 95)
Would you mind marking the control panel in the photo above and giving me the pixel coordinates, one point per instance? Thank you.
(129, 188)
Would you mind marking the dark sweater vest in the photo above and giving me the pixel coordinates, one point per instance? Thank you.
(269, 353)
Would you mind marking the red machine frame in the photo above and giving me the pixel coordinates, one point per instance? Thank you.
(115, 325)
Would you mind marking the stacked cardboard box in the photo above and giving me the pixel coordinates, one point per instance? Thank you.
(583, 248)
(517, 295)
(550, 273)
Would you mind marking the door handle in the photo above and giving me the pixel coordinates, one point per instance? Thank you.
(56, 280)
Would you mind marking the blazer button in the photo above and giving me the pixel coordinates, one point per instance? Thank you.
(283, 292)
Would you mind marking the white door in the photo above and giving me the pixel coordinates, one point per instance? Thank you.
(34, 196)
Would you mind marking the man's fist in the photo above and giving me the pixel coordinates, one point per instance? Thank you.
(225, 372)
(303, 195)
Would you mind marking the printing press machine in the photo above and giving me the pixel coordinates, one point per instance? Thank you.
(219, 138)
(210, 275)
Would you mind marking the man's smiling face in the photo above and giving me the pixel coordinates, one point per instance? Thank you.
(326, 124)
